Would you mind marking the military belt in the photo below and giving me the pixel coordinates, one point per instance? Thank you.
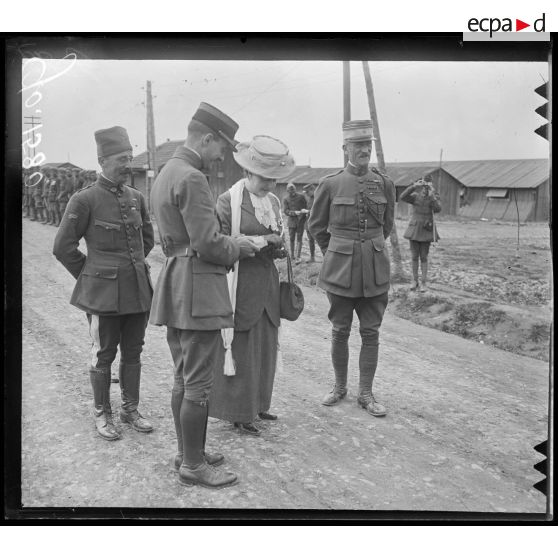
(179, 251)
(351, 234)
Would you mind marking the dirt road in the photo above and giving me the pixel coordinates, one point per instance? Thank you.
(462, 419)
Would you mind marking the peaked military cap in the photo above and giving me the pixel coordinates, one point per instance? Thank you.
(357, 130)
(217, 121)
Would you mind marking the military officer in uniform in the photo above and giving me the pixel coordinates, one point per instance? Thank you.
(351, 217)
(113, 284)
(191, 296)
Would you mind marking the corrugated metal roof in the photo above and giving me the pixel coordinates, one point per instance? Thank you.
(407, 175)
(503, 173)
(495, 173)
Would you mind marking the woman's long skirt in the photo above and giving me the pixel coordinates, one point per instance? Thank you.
(241, 397)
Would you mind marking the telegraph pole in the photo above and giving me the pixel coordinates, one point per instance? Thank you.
(396, 252)
(35, 123)
(151, 145)
(346, 96)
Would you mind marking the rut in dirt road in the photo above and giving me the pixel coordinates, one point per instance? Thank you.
(462, 419)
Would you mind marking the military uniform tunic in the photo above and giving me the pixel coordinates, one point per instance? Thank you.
(192, 291)
(113, 279)
(421, 224)
(351, 217)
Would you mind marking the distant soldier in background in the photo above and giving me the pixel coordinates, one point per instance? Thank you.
(422, 228)
(75, 181)
(294, 207)
(38, 192)
(92, 176)
(66, 190)
(309, 190)
(52, 195)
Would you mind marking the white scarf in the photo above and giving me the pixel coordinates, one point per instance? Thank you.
(227, 334)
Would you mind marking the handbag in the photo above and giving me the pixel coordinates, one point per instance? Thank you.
(291, 299)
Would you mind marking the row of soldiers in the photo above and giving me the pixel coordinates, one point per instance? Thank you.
(46, 191)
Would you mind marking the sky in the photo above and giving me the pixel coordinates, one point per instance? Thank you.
(467, 110)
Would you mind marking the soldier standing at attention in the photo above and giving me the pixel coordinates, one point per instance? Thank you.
(309, 190)
(38, 192)
(66, 190)
(52, 195)
(113, 285)
(294, 207)
(351, 217)
(76, 181)
(191, 297)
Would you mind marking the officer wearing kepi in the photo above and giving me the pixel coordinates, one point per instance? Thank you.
(191, 297)
(113, 285)
(351, 217)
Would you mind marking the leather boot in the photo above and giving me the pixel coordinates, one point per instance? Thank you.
(368, 362)
(340, 361)
(194, 469)
(292, 241)
(214, 459)
(101, 401)
(33, 214)
(130, 388)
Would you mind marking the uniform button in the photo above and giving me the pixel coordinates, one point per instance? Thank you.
(97, 274)
(125, 216)
(134, 260)
(361, 180)
(129, 237)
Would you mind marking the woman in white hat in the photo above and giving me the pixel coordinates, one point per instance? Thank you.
(243, 391)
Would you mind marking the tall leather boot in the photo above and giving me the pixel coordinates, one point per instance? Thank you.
(424, 274)
(214, 459)
(292, 242)
(415, 266)
(130, 389)
(194, 469)
(101, 401)
(340, 361)
(368, 362)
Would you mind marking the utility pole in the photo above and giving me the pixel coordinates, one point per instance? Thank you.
(35, 123)
(346, 96)
(151, 145)
(398, 272)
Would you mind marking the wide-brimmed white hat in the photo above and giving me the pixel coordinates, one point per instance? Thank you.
(265, 156)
